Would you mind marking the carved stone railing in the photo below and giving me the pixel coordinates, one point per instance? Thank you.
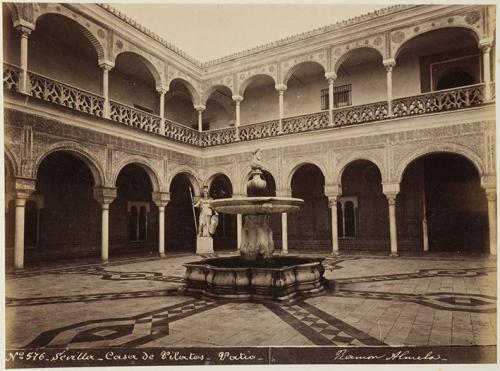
(312, 121)
(65, 95)
(492, 87)
(439, 101)
(217, 137)
(260, 130)
(11, 75)
(182, 133)
(359, 114)
(134, 117)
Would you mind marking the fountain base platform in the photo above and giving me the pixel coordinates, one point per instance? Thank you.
(279, 278)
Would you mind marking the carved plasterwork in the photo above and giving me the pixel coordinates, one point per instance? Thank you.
(243, 79)
(471, 19)
(291, 165)
(291, 65)
(345, 157)
(152, 166)
(340, 53)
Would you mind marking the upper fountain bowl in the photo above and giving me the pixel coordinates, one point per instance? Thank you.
(257, 205)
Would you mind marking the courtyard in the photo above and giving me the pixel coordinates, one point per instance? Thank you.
(434, 300)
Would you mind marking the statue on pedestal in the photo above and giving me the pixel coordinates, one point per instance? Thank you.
(209, 218)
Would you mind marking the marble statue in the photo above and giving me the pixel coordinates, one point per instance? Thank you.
(209, 218)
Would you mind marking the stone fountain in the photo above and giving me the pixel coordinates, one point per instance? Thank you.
(256, 274)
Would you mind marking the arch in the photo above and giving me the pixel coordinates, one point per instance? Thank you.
(195, 96)
(143, 164)
(189, 172)
(10, 161)
(99, 48)
(357, 157)
(345, 56)
(452, 148)
(206, 94)
(208, 181)
(248, 81)
(297, 66)
(398, 49)
(82, 153)
(13, 11)
(321, 168)
(157, 76)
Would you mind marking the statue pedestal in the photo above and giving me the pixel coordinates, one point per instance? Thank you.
(204, 245)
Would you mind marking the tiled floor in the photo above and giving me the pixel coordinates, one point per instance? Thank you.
(376, 301)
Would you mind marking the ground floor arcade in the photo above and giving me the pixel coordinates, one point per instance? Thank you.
(439, 204)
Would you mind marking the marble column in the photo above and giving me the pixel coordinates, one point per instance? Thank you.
(106, 66)
(331, 77)
(391, 199)
(200, 108)
(237, 100)
(162, 92)
(485, 46)
(332, 203)
(239, 222)
(23, 188)
(25, 31)
(161, 200)
(284, 233)
(281, 104)
(389, 65)
(491, 195)
(105, 195)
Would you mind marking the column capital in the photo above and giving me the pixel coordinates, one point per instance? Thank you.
(491, 194)
(332, 201)
(24, 27)
(332, 190)
(390, 189)
(486, 44)
(280, 87)
(391, 198)
(162, 90)
(389, 63)
(24, 187)
(199, 107)
(237, 98)
(105, 195)
(106, 65)
(331, 76)
(161, 199)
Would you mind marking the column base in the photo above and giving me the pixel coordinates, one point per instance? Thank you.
(393, 255)
(162, 255)
(335, 253)
(104, 262)
(284, 252)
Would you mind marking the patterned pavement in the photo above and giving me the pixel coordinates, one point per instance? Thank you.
(372, 301)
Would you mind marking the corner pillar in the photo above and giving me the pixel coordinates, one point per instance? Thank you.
(105, 195)
(332, 192)
(485, 46)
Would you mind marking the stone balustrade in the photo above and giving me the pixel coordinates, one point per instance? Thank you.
(134, 117)
(438, 101)
(50, 90)
(65, 95)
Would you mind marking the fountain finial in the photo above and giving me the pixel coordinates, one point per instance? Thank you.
(256, 186)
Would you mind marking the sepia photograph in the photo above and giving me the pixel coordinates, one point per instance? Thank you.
(249, 184)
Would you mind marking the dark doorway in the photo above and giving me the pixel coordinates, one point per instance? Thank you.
(180, 218)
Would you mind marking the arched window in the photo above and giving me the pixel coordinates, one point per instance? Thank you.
(138, 220)
(347, 217)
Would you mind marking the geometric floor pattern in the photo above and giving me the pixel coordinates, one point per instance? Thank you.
(371, 301)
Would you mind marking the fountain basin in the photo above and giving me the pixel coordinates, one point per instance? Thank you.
(257, 205)
(279, 278)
